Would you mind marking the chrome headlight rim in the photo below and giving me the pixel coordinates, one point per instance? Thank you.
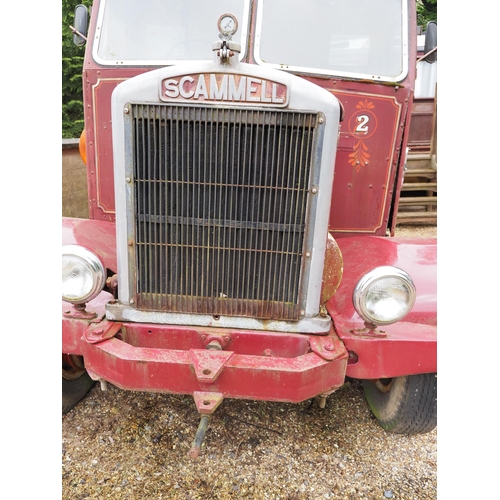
(365, 284)
(94, 265)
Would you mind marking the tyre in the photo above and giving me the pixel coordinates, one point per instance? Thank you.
(76, 382)
(404, 405)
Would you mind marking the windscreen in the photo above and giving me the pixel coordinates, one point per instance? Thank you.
(130, 31)
(344, 37)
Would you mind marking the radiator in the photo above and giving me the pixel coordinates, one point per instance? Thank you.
(220, 204)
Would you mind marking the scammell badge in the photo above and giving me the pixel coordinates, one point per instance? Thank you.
(228, 25)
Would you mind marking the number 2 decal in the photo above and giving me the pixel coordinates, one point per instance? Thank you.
(362, 127)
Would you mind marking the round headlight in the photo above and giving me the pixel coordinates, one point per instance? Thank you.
(83, 274)
(384, 295)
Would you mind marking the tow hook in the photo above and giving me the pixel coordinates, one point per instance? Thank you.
(200, 436)
(207, 403)
(207, 367)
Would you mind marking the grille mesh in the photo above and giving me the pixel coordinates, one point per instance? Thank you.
(220, 201)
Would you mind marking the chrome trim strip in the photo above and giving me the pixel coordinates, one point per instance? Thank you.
(120, 312)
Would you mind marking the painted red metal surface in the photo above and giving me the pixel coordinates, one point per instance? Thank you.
(253, 365)
(406, 347)
(418, 257)
(98, 236)
(367, 161)
(398, 350)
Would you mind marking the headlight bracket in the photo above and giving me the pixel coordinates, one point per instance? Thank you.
(78, 311)
(369, 331)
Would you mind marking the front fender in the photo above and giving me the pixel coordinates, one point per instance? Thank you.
(95, 235)
(406, 347)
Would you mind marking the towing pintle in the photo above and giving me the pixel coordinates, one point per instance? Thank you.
(200, 436)
(207, 403)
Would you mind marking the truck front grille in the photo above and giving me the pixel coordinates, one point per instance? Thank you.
(220, 209)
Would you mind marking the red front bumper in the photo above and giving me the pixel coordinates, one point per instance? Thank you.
(252, 364)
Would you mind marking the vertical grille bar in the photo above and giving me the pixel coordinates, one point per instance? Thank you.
(220, 209)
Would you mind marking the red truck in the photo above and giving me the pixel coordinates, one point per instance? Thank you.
(245, 161)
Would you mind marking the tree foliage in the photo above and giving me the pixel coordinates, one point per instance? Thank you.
(72, 65)
(426, 11)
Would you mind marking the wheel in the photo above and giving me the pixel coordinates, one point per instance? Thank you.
(76, 382)
(404, 405)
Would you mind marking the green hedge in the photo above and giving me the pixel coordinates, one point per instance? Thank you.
(426, 11)
(72, 64)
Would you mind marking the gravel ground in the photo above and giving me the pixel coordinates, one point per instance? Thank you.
(124, 445)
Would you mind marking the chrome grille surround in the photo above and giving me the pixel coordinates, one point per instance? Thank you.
(222, 211)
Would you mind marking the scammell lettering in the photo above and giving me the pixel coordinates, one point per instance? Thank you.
(224, 87)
